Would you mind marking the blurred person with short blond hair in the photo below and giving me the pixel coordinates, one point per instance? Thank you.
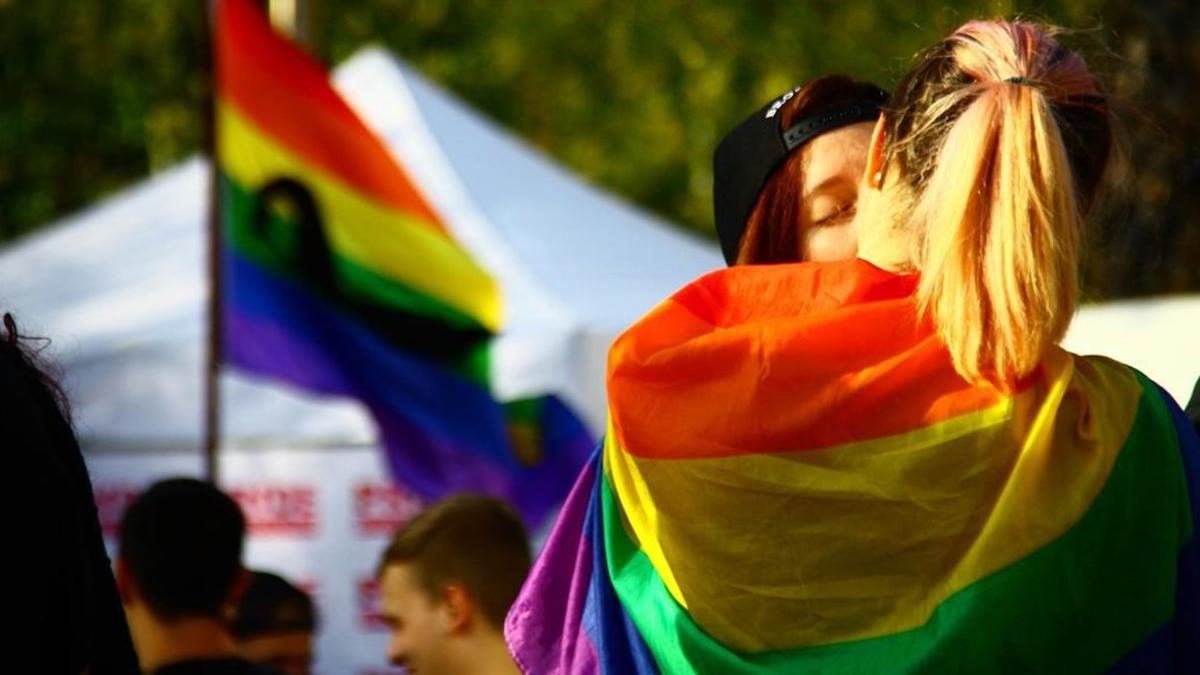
(447, 580)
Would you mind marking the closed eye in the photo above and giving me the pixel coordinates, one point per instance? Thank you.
(843, 213)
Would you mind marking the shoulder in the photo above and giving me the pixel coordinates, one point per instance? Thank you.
(1129, 386)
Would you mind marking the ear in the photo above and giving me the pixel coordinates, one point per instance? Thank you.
(460, 608)
(876, 158)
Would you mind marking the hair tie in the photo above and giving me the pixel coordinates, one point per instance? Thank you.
(1017, 79)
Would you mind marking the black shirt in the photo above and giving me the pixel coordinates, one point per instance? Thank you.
(224, 666)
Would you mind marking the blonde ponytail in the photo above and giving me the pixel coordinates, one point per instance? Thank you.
(997, 218)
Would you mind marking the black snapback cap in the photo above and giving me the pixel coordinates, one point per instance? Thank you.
(749, 154)
(271, 604)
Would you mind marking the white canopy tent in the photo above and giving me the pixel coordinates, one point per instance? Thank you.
(121, 288)
(1158, 336)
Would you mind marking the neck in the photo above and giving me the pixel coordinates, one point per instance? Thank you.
(160, 643)
(487, 654)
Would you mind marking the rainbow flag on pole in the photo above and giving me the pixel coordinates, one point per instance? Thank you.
(795, 480)
(340, 278)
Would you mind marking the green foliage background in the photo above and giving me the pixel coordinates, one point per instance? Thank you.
(95, 94)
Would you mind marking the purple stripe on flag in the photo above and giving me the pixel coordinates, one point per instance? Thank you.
(544, 627)
(568, 618)
(619, 645)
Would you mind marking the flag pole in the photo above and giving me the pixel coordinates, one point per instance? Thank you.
(212, 362)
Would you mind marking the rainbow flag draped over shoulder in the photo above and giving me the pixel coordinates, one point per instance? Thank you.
(795, 480)
(338, 277)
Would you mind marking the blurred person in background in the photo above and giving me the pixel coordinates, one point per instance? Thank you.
(275, 625)
(447, 580)
(67, 615)
(785, 180)
(180, 575)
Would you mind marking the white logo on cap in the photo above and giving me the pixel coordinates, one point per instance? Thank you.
(780, 101)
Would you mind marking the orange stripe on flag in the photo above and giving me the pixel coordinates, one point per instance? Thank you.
(690, 379)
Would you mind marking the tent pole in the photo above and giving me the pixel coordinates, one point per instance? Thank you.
(212, 364)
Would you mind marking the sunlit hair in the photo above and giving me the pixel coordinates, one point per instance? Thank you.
(774, 225)
(1002, 136)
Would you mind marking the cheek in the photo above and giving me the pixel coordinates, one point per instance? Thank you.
(830, 244)
(418, 635)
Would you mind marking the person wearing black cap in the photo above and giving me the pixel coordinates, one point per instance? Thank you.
(275, 624)
(785, 180)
